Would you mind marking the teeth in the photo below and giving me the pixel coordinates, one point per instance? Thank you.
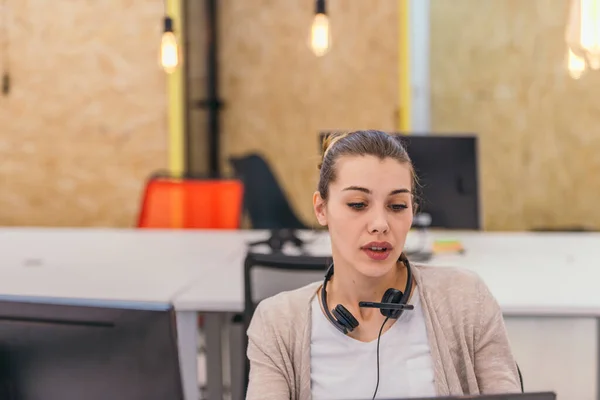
(378, 248)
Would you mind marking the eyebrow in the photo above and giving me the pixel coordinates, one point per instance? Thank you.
(365, 190)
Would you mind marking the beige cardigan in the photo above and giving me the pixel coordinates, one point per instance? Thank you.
(468, 340)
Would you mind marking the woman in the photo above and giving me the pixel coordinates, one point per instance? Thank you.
(317, 342)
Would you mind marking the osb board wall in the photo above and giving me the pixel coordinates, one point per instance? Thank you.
(278, 95)
(498, 69)
(85, 121)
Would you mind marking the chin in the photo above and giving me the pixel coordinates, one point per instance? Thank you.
(376, 269)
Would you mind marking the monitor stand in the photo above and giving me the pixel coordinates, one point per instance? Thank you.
(278, 239)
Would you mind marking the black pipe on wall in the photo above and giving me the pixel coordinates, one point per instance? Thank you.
(212, 103)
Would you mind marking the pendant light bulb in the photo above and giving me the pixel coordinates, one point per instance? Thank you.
(169, 51)
(320, 36)
(582, 36)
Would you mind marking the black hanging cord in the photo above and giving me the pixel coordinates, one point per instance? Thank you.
(378, 341)
(5, 49)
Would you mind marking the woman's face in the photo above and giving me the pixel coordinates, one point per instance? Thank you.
(368, 213)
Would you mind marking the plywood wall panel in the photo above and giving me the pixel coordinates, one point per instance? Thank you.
(85, 122)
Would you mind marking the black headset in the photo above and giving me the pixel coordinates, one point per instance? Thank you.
(392, 304)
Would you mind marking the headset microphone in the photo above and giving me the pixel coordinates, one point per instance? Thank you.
(385, 306)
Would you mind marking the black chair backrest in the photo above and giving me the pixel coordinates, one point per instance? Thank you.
(268, 274)
(264, 199)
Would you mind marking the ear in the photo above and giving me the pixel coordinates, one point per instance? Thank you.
(320, 209)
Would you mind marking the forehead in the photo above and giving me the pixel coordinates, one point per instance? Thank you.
(372, 173)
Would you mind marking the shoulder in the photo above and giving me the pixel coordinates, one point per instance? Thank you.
(285, 309)
(458, 291)
(450, 281)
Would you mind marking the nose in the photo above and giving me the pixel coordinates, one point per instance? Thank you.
(378, 222)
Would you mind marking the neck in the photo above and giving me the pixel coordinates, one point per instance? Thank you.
(348, 287)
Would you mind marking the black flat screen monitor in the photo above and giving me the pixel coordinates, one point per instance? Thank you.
(74, 352)
(447, 167)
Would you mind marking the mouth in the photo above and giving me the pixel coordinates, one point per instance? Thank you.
(377, 250)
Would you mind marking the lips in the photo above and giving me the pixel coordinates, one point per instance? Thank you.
(377, 251)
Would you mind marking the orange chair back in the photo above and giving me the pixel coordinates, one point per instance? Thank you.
(192, 204)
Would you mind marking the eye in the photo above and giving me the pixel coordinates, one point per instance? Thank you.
(398, 207)
(357, 206)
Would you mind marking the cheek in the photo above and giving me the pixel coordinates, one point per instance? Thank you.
(408, 215)
(343, 223)
(406, 219)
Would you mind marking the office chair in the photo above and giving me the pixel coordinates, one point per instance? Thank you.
(191, 203)
(265, 275)
(264, 199)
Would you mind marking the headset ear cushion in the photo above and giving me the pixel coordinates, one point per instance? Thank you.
(344, 317)
(392, 296)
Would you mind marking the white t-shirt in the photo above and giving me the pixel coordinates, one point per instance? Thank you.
(345, 368)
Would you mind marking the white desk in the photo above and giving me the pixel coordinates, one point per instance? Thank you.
(105, 264)
(535, 274)
(531, 274)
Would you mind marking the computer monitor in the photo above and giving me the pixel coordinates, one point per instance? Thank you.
(73, 352)
(447, 167)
